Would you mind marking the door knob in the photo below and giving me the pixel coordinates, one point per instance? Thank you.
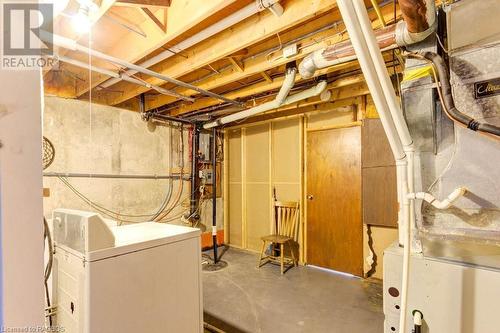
(310, 197)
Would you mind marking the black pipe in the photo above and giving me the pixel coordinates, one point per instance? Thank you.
(170, 118)
(214, 194)
(449, 104)
(195, 146)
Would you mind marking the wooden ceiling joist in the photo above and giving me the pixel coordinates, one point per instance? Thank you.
(161, 25)
(253, 30)
(254, 65)
(182, 17)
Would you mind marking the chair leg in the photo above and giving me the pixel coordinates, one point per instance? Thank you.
(282, 255)
(290, 244)
(262, 253)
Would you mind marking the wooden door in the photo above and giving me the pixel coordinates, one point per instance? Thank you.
(334, 219)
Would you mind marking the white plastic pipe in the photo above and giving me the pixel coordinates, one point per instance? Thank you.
(122, 76)
(444, 204)
(308, 93)
(212, 30)
(382, 73)
(375, 72)
(370, 74)
(74, 46)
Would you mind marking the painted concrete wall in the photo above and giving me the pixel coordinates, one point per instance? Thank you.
(20, 199)
(90, 138)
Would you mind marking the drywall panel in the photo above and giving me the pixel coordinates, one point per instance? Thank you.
(286, 147)
(257, 153)
(235, 215)
(234, 155)
(258, 217)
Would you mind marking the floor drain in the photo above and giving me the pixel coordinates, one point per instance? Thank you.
(212, 267)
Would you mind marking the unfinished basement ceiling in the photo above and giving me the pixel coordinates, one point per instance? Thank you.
(244, 61)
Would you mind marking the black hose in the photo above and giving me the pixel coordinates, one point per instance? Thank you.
(214, 194)
(447, 98)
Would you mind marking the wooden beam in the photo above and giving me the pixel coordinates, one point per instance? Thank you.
(266, 77)
(249, 32)
(144, 3)
(182, 16)
(238, 65)
(156, 20)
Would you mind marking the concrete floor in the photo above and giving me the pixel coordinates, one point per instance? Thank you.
(242, 298)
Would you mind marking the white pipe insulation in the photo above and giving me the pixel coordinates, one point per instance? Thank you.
(390, 37)
(212, 30)
(281, 99)
(404, 35)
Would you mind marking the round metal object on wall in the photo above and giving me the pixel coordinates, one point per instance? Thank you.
(48, 153)
(211, 267)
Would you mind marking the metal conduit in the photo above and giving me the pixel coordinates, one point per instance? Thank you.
(72, 45)
(112, 176)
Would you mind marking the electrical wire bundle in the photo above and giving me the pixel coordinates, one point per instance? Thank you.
(159, 215)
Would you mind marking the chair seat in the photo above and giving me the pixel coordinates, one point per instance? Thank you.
(276, 239)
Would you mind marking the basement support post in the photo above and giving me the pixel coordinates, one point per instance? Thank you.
(194, 168)
(214, 194)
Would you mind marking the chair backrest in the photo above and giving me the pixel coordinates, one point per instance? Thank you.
(287, 219)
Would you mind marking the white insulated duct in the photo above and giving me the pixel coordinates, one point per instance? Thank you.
(280, 100)
(212, 30)
(419, 23)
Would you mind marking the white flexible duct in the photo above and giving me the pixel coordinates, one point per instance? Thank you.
(308, 93)
(212, 30)
(444, 204)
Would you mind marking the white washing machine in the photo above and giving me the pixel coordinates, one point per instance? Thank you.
(136, 278)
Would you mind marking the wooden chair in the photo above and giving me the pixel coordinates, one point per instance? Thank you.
(286, 216)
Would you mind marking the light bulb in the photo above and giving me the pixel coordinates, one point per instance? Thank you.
(81, 21)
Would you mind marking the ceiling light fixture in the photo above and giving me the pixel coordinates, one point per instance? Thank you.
(82, 21)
